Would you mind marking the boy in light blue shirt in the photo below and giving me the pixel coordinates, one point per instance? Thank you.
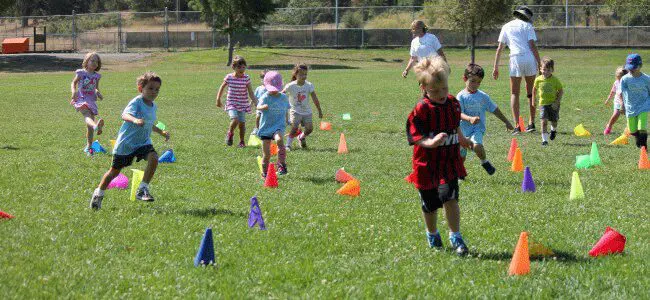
(635, 87)
(134, 139)
(275, 114)
(473, 104)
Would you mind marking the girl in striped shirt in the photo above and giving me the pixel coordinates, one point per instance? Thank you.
(237, 104)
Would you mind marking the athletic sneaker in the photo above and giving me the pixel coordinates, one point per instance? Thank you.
(303, 142)
(241, 144)
(553, 133)
(288, 148)
(96, 201)
(143, 195)
(435, 241)
(544, 143)
(89, 151)
(459, 245)
(516, 131)
(607, 131)
(229, 136)
(530, 128)
(489, 168)
(282, 169)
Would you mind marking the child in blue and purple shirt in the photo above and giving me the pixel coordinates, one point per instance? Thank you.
(85, 91)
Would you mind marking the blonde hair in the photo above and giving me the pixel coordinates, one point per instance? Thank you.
(548, 63)
(620, 72)
(419, 24)
(147, 77)
(238, 61)
(89, 56)
(297, 69)
(432, 71)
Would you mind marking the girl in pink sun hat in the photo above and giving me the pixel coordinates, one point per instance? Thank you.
(275, 114)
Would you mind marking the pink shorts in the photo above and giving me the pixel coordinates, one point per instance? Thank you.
(90, 105)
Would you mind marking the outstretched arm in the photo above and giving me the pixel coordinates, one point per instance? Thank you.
(161, 132)
(251, 95)
(497, 57)
(97, 92)
(317, 104)
(497, 112)
(221, 88)
(410, 64)
(73, 89)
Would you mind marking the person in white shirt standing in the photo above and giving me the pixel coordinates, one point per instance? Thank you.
(424, 45)
(519, 36)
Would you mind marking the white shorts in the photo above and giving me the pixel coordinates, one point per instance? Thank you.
(523, 65)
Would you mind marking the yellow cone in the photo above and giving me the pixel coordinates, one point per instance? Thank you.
(259, 164)
(621, 140)
(254, 141)
(576, 187)
(581, 131)
(135, 182)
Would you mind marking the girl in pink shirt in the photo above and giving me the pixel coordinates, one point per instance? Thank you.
(85, 91)
(237, 104)
(615, 93)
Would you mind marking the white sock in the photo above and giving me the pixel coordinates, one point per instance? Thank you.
(143, 185)
(455, 234)
(99, 192)
(433, 233)
(552, 128)
(544, 137)
(484, 161)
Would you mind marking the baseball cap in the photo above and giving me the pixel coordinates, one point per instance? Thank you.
(273, 81)
(633, 61)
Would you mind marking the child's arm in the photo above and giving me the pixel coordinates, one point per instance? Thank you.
(221, 88)
(612, 93)
(463, 141)
(534, 96)
(470, 119)
(97, 92)
(317, 103)
(556, 104)
(432, 142)
(73, 88)
(497, 112)
(251, 95)
(261, 105)
(130, 118)
(161, 132)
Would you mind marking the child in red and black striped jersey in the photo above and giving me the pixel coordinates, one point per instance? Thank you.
(433, 129)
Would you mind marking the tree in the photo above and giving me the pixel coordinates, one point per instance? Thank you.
(233, 16)
(633, 13)
(471, 16)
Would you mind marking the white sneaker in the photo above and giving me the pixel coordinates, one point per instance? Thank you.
(96, 201)
(143, 195)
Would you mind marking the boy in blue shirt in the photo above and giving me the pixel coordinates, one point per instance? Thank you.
(134, 141)
(635, 87)
(473, 104)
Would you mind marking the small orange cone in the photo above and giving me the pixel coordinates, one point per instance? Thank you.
(351, 188)
(520, 264)
(513, 147)
(521, 124)
(325, 126)
(4, 215)
(644, 164)
(342, 176)
(343, 146)
(271, 178)
(517, 162)
(274, 149)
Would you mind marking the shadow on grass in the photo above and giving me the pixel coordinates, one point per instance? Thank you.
(319, 180)
(290, 67)
(507, 256)
(9, 147)
(332, 150)
(209, 212)
(37, 63)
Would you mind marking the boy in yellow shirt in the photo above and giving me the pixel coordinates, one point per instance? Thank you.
(549, 91)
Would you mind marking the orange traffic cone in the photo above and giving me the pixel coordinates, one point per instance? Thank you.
(4, 215)
(517, 162)
(342, 176)
(513, 147)
(351, 188)
(520, 264)
(644, 164)
(325, 126)
(343, 146)
(274, 149)
(271, 178)
(521, 124)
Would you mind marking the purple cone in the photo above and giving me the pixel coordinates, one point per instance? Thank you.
(528, 185)
(255, 215)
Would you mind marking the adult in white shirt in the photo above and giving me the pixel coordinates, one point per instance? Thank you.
(423, 45)
(519, 36)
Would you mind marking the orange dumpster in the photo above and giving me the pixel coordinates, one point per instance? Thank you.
(15, 45)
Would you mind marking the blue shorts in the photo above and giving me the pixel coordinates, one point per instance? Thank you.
(236, 114)
(476, 136)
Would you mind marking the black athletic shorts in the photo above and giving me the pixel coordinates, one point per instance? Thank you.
(434, 198)
(121, 161)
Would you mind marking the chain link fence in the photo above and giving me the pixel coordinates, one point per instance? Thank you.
(321, 27)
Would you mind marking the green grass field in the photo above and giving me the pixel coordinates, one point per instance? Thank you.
(318, 244)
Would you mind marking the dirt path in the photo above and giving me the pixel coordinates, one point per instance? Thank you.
(68, 62)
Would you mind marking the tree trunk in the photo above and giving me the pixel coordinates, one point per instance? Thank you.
(473, 48)
(231, 48)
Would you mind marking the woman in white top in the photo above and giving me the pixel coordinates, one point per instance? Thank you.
(423, 45)
(519, 36)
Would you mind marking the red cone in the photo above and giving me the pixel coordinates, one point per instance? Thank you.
(610, 242)
(4, 215)
(271, 178)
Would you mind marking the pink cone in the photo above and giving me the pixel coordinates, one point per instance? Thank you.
(120, 182)
(610, 242)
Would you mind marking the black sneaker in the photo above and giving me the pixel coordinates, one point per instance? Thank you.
(459, 246)
(143, 195)
(553, 133)
(516, 131)
(435, 241)
(303, 142)
(282, 169)
(96, 201)
(530, 128)
(544, 143)
(489, 168)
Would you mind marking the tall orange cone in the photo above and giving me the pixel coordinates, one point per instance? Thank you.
(343, 146)
(271, 178)
(351, 188)
(521, 124)
(517, 162)
(513, 147)
(274, 149)
(342, 176)
(520, 264)
(644, 164)
(4, 215)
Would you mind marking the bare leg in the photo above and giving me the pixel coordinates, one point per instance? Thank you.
(233, 124)
(613, 118)
(480, 151)
(266, 152)
(152, 164)
(545, 125)
(242, 131)
(89, 118)
(530, 80)
(515, 84)
(309, 128)
(108, 177)
(452, 212)
(257, 120)
(430, 220)
(282, 151)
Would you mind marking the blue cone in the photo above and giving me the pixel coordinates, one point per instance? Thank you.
(97, 147)
(167, 157)
(255, 215)
(205, 255)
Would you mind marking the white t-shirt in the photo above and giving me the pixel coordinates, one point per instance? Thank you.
(299, 97)
(425, 46)
(516, 35)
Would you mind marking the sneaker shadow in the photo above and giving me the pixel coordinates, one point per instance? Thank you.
(209, 212)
